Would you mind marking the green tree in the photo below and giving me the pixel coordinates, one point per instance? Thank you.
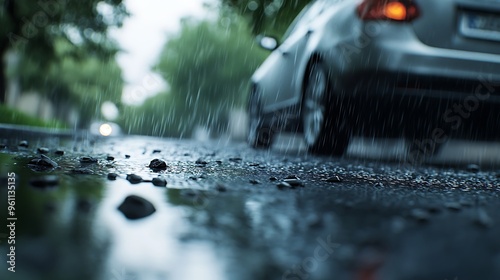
(268, 16)
(208, 66)
(31, 28)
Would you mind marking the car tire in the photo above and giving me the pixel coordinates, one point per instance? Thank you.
(321, 123)
(260, 135)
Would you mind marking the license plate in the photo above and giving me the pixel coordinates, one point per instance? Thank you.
(480, 25)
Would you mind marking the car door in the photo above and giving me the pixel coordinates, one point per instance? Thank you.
(278, 74)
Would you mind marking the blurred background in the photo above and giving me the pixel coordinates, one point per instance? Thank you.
(160, 68)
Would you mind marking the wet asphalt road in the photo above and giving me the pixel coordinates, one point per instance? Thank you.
(226, 213)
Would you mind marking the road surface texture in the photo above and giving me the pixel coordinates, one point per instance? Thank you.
(101, 210)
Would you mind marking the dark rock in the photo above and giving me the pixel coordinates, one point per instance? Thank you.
(59, 152)
(294, 182)
(43, 150)
(272, 179)
(156, 151)
(24, 144)
(201, 162)
(158, 164)
(110, 158)
(254, 182)
(474, 168)
(220, 188)
(254, 164)
(334, 179)
(88, 160)
(43, 163)
(82, 171)
(292, 177)
(127, 156)
(159, 182)
(219, 162)
(45, 182)
(134, 179)
(135, 207)
(284, 185)
(112, 176)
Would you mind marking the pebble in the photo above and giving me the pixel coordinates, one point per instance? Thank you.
(201, 161)
(43, 163)
(284, 185)
(88, 160)
(158, 164)
(43, 150)
(135, 207)
(294, 182)
(159, 182)
(112, 176)
(156, 151)
(127, 156)
(59, 152)
(45, 182)
(134, 179)
(334, 179)
(24, 144)
(289, 177)
(474, 168)
(110, 158)
(272, 179)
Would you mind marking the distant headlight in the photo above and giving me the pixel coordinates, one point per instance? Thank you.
(105, 129)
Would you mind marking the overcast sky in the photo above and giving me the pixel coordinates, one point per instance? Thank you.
(142, 37)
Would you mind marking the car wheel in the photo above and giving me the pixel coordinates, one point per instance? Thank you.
(260, 135)
(320, 118)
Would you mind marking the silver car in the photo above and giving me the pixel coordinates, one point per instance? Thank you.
(424, 70)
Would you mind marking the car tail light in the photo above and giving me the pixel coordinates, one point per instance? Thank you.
(397, 10)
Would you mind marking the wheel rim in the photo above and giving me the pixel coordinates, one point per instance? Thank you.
(314, 107)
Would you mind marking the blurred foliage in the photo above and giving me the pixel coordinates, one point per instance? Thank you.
(207, 66)
(65, 50)
(12, 116)
(271, 17)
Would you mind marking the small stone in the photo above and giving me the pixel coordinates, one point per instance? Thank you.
(24, 144)
(82, 171)
(454, 206)
(156, 151)
(59, 152)
(294, 182)
(43, 150)
(201, 162)
(273, 179)
(420, 215)
(220, 188)
(134, 179)
(474, 168)
(127, 156)
(254, 164)
(158, 164)
(110, 158)
(45, 182)
(334, 179)
(112, 176)
(254, 182)
(159, 182)
(135, 207)
(88, 160)
(219, 162)
(284, 185)
(42, 163)
(292, 177)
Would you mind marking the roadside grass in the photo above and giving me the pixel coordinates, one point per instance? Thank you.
(13, 116)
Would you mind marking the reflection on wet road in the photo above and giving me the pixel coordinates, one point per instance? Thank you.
(229, 212)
